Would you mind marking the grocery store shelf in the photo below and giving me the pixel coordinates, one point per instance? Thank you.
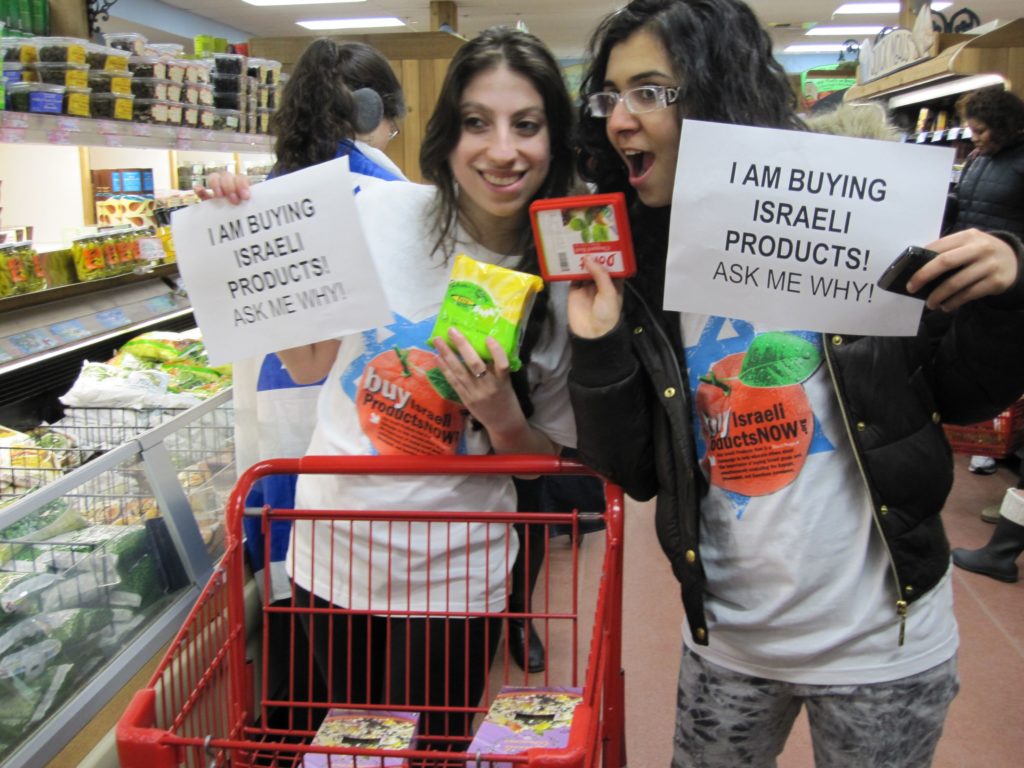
(12, 303)
(25, 127)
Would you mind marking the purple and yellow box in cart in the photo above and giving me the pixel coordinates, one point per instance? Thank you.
(566, 229)
(522, 719)
(364, 729)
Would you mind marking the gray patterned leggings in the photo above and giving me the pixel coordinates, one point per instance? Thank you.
(729, 720)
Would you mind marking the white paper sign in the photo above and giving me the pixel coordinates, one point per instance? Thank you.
(794, 228)
(290, 266)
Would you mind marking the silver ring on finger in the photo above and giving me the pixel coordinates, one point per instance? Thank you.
(480, 374)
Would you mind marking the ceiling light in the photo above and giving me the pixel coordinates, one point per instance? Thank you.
(814, 48)
(368, 23)
(844, 31)
(298, 2)
(879, 8)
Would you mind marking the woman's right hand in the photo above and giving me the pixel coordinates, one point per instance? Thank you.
(594, 306)
(233, 186)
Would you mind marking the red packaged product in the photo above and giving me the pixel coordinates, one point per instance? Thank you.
(566, 229)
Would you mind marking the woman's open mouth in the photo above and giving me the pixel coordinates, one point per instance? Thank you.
(638, 163)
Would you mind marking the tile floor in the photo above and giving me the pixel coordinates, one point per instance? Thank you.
(985, 726)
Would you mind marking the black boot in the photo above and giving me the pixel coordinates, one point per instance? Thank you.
(525, 645)
(997, 559)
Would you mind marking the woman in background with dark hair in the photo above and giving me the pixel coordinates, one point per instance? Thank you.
(342, 99)
(822, 582)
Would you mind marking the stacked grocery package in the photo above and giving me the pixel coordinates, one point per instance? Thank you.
(129, 78)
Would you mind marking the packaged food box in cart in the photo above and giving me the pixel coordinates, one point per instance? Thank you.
(363, 729)
(522, 719)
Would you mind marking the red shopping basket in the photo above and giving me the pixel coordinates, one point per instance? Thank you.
(209, 703)
(997, 437)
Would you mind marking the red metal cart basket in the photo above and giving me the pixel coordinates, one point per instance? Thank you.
(997, 437)
(210, 704)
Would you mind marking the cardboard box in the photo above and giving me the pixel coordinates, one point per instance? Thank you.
(522, 719)
(364, 729)
(124, 196)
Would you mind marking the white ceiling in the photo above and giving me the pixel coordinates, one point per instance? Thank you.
(563, 24)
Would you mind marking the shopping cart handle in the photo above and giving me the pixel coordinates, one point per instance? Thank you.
(139, 744)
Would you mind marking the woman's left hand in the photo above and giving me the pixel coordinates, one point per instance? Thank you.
(974, 263)
(485, 390)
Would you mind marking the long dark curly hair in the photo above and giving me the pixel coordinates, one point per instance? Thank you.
(317, 106)
(1002, 111)
(525, 55)
(723, 60)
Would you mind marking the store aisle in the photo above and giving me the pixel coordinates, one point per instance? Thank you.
(984, 726)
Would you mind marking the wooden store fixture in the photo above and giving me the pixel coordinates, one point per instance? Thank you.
(1000, 51)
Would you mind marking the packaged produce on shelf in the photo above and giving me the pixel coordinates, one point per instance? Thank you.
(132, 42)
(62, 73)
(43, 98)
(147, 66)
(154, 369)
(151, 87)
(229, 63)
(20, 269)
(18, 50)
(18, 73)
(116, 106)
(64, 49)
(104, 57)
(87, 254)
(227, 119)
(112, 81)
(77, 101)
(151, 111)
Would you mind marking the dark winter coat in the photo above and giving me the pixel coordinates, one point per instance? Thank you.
(990, 195)
(632, 402)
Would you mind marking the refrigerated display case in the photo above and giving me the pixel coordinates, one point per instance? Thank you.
(101, 559)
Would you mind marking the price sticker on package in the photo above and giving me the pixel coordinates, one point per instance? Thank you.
(567, 229)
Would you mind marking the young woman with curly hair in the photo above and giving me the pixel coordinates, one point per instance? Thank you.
(823, 581)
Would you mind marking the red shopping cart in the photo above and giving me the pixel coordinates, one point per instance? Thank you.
(209, 703)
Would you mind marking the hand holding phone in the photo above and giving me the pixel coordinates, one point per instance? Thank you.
(897, 274)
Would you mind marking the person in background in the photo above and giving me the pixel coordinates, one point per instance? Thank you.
(829, 586)
(342, 100)
(990, 193)
(499, 138)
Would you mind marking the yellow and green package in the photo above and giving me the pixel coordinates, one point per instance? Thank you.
(487, 300)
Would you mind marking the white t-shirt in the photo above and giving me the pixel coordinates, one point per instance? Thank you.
(799, 584)
(378, 398)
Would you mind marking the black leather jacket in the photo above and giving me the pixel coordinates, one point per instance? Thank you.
(632, 403)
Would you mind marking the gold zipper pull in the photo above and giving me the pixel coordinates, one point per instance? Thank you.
(901, 611)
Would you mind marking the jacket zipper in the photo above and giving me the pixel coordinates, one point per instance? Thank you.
(901, 604)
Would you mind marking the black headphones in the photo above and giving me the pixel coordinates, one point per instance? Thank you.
(369, 110)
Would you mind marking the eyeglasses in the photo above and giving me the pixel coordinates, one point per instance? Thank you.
(646, 98)
(393, 132)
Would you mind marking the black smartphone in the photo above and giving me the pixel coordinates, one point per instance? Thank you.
(897, 274)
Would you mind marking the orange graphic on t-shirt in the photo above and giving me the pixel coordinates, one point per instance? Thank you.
(401, 409)
(757, 438)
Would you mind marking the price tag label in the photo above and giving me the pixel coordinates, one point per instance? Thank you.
(69, 124)
(12, 135)
(58, 137)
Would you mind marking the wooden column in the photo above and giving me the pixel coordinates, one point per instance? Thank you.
(444, 12)
(68, 19)
(909, 10)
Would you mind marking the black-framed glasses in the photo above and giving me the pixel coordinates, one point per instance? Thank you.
(645, 98)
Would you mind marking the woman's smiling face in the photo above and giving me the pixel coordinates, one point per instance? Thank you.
(504, 151)
(648, 143)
